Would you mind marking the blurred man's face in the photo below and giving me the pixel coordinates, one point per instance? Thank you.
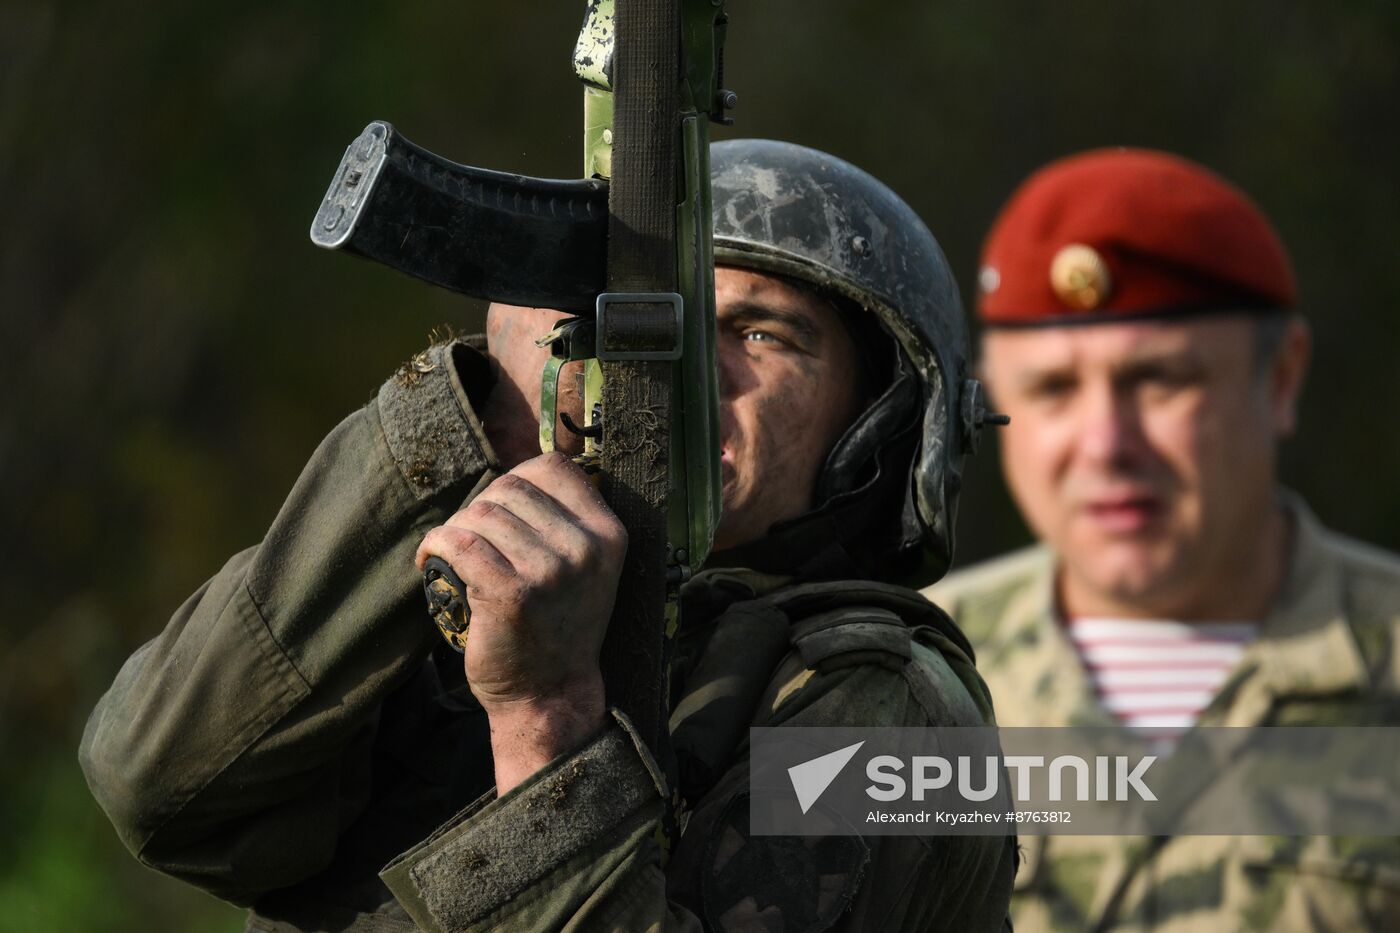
(1144, 452)
(788, 390)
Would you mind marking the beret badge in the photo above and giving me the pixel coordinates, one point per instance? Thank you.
(1080, 277)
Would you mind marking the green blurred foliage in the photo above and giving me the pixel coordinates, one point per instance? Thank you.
(174, 348)
(66, 871)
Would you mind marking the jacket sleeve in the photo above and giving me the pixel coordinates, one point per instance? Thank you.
(233, 748)
(575, 847)
(572, 847)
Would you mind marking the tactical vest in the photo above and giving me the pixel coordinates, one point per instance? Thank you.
(819, 627)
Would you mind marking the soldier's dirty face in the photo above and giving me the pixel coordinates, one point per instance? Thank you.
(1144, 453)
(787, 384)
(787, 392)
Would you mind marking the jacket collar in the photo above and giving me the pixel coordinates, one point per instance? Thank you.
(1036, 675)
(1306, 645)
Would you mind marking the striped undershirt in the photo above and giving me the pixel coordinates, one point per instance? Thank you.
(1158, 674)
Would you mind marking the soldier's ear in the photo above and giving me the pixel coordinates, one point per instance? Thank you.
(1287, 372)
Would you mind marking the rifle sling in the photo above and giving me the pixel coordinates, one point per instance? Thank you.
(637, 394)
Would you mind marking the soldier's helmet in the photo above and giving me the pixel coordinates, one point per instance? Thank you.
(786, 209)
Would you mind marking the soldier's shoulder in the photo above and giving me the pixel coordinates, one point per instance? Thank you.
(857, 646)
(834, 624)
(981, 598)
(990, 582)
(426, 413)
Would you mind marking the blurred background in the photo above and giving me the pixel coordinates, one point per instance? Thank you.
(174, 348)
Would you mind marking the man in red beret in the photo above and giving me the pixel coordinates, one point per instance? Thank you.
(1140, 330)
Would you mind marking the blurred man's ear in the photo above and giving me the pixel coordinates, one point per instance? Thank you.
(1287, 372)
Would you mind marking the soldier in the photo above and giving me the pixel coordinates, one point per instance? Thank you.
(1141, 334)
(299, 725)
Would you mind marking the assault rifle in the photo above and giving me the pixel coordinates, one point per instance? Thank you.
(628, 249)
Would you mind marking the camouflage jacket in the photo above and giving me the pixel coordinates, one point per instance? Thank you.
(299, 725)
(1326, 654)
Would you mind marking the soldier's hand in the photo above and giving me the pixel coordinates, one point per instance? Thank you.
(541, 553)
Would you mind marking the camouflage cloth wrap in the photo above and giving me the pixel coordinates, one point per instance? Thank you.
(299, 725)
(1326, 654)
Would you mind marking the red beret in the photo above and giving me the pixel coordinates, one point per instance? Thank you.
(1128, 232)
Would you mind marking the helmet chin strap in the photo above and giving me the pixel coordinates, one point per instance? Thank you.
(895, 408)
(865, 525)
(848, 539)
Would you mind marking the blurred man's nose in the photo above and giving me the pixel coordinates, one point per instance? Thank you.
(1110, 427)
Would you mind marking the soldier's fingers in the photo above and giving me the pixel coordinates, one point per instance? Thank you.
(570, 487)
(561, 534)
(566, 483)
(525, 500)
(533, 551)
(475, 559)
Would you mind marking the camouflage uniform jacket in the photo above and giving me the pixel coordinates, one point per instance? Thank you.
(1326, 654)
(299, 724)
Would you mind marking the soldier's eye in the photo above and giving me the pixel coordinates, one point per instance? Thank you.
(762, 336)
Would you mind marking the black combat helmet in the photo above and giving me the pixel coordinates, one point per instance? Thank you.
(889, 488)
